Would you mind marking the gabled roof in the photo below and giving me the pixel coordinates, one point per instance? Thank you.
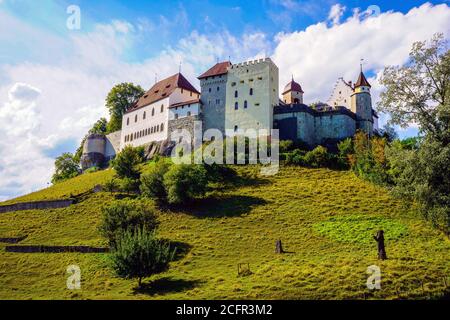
(163, 89)
(216, 70)
(362, 81)
(292, 86)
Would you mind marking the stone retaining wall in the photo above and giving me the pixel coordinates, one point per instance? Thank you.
(36, 205)
(54, 249)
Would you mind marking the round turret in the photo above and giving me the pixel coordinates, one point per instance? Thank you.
(93, 151)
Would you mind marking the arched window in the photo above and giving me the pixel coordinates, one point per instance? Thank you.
(162, 126)
(162, 108)
(176, 116)
(235, 128)
(296, 100)
(236, 94)
(135, 118)
(153, 112)
(236, 106)
(251, 91)
(128, 121)
(188, 113)
(245, 104)
(143, 116)
(151, 130)
(157, 128)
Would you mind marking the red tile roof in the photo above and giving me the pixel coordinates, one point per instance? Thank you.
(185, 103)
(362, 81)
(216, 70)
(292, 86)
(163, 89)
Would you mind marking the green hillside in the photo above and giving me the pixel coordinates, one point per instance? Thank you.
(325, 219)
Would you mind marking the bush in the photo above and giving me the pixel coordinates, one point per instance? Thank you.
(126, 215)
(286, 146)
(345, 148)
(111, 186)
(140, 254)
(92, 169)
(219, 172)
(185, 182)
(129, 185)
(152, 181)
(127, 162)
(295, 157)
(317, 158)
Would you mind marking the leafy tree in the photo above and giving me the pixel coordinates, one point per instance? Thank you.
(152, 181)
(111, 185)
(126, 215)
(388, 132)
(119, 99)
(345, 148)
(185, 182)
(420, 91)
(66, 167)
(126, 163)
(100, 127)
(140, 254)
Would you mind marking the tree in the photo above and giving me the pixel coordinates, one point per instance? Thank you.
(419, 92)
(140, 254)
(119, 99)
(66, 167)
(152, 181)
(127, 162)
(126, 215)
(345, 148)
(388, 132)
(185, 182)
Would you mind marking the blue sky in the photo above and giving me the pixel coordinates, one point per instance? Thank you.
(53, 80)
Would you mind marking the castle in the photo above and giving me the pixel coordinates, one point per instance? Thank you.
(236, 97)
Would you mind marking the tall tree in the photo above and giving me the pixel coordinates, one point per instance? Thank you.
(119, 99)
(66, 167)
(419, 91)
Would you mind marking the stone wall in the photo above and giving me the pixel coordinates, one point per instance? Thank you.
(112, 146)
(54, 249)
(36, 205)
(186, 123)
(214, 102)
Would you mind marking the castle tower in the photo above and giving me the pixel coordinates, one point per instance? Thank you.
(293, 93)
(361, 104)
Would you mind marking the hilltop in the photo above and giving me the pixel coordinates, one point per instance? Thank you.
(325, 219)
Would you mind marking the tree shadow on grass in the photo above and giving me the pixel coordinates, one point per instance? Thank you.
(182, 249)
(166, 285)
(222, 206)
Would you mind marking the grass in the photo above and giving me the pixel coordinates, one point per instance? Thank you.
(325, 219)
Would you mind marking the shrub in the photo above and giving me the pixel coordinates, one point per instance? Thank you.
(140, 254)
(126, 215)
(317, 158)
(127, 162)
(345, 148)
(219, 172)
(295, 157)
(152, 181)
(286, 146)
(111, 185)
(185, 182)
(129, 185)
(92, 169)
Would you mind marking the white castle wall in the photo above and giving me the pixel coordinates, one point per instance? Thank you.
(341, 95)
(261, 76)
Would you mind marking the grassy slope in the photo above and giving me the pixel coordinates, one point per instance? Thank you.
(234, 226)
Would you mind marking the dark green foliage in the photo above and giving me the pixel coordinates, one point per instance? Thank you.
(127, 215)
(185, 182)
(111, 186)
(129, 185)
(219, 173)
(66, 167)
(286, 146)
(152, 181)
(317, 158)
(127, 162)
(345, 148)
(119, 99)
(295, 157)
(411, 143)
(140, 254)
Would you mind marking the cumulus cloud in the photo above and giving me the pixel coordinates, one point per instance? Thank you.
(336, 12)
(320, 54)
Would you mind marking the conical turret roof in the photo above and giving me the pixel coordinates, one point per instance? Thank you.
(362, 81)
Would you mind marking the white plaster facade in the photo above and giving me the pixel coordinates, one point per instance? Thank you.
(185, 110)
(341, 95)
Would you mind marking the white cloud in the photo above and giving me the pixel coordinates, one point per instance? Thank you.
(336, 12)
(320, 54)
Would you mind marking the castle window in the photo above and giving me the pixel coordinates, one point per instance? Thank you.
(218, 88)
(188, 113)
(128, 121)
(181, 90)
(251, 91)
(256, 104)
(236, 94)
(143, 116)
(153, 112)
(233, 84)
(191, 93)
(259, 78)
(209, 90)
(157, 128)
(162, 126)
(245, 104)
(162, 108)
(176, 116)
(130, 137)
(236, 106)
(235, 128)
(135, 118)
